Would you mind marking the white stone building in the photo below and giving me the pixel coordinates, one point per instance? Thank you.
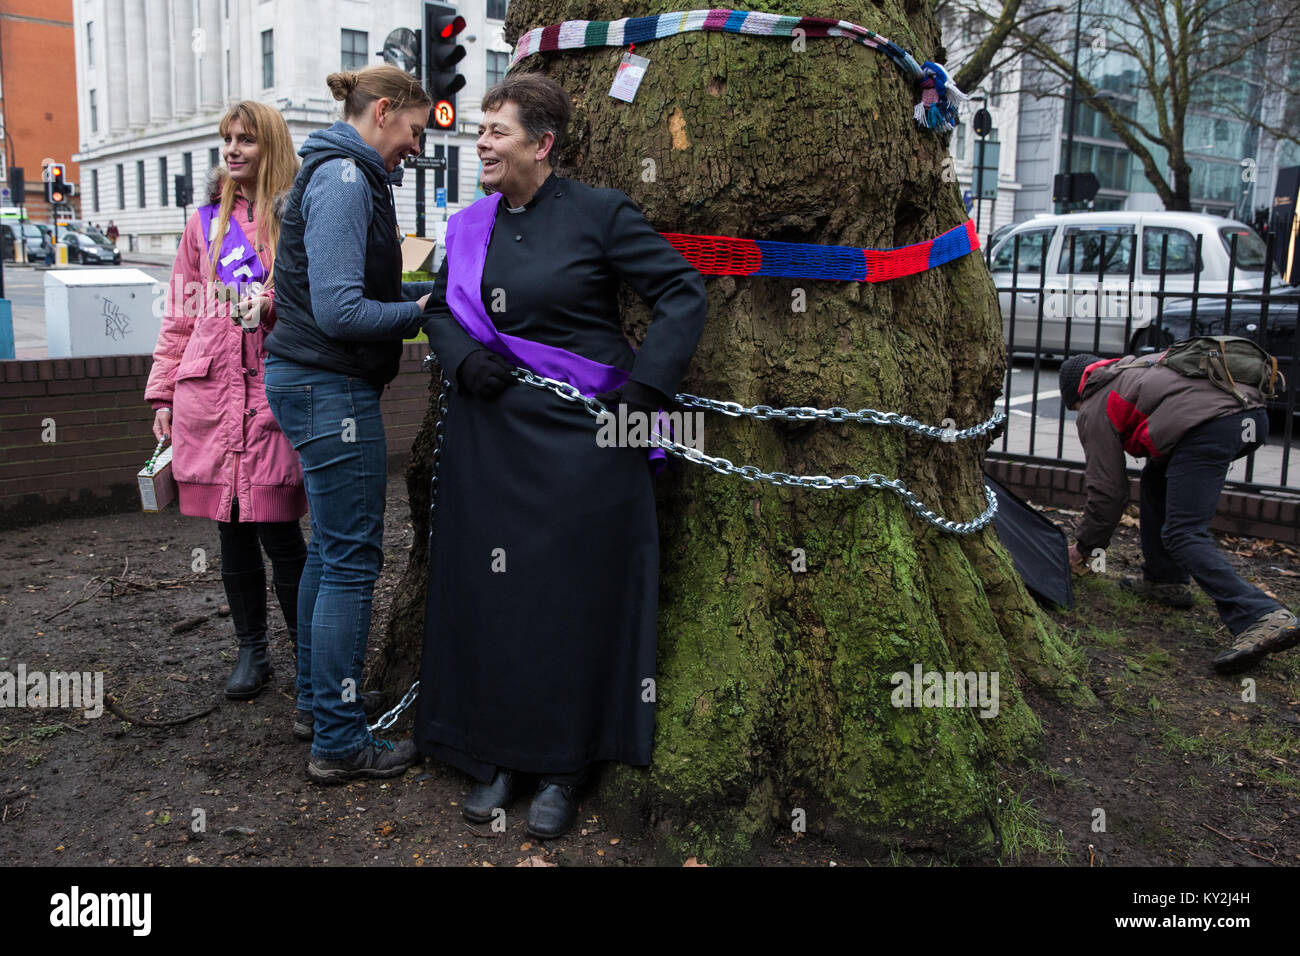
(155, 76)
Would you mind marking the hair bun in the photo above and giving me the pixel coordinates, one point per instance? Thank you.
(343, 83)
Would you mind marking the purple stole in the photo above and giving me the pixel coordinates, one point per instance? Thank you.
(468, 234)
(238, 263)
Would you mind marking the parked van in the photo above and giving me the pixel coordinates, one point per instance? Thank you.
(1105, 296)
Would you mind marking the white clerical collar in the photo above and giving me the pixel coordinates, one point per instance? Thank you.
(518, 209)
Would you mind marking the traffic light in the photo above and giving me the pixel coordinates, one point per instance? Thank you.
(56, 190)
(1074, 187)
(184, 193)
(441, 54)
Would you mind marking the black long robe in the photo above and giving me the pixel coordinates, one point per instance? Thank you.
(541, 667)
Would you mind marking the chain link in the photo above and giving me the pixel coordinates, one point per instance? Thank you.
(390, 718)
(752, 473)
(867, 416)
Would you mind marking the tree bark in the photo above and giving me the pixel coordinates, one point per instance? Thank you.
(774, 686)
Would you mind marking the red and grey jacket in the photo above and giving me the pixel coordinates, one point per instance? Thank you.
(1144, 410)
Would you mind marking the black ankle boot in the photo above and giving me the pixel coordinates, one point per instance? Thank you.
(246, 594)
(486, 798)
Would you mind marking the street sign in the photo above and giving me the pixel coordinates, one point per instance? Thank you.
(440, 197)
(444, 115)
(425, 162)
(985, 174)
(1074, 187)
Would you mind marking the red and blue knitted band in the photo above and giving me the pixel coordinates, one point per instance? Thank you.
(725, 256)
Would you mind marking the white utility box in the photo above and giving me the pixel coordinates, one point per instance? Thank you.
(101, 311)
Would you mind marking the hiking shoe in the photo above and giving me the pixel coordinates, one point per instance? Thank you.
(303, 725)
(379, 759)
(1275, 631)
(1172, 595)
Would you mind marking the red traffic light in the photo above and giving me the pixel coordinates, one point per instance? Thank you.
(451, 26)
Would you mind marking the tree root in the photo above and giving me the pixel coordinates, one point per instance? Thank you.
(111, 705)
(1242, 841)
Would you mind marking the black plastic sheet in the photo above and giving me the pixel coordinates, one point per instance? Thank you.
(1038, 548)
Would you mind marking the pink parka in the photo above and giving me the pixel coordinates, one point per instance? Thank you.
(226, 444)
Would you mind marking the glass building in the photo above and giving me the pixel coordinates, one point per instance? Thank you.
(1233, 163)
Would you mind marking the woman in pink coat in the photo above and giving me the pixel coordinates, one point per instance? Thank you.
(230, 460)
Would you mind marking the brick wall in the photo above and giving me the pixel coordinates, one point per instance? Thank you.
(37, 56)
(104, 432)
(1252, 514)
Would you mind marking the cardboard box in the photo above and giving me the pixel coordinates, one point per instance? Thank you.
(417, 254)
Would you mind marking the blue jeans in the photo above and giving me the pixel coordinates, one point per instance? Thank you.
(1179, 497)
(334, 423)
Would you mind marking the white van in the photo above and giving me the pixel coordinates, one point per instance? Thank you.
(1126, 250)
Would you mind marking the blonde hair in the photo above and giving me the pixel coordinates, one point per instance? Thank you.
(276, 169)
(359, 88)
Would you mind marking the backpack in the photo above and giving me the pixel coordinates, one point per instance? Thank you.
(1225, 360)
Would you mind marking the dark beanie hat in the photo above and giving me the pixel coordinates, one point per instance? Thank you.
(1071, 374)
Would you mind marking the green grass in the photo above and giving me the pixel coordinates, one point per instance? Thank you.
(1155, 660)
(1174, 741)
(1110, 637)
(1047, 772)
(1023, 832)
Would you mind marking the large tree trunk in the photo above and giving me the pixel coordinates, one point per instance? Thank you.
(774, 691)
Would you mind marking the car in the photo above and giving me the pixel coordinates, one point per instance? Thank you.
(88, 251)
(1140, 258)
(33, 239)
(999, 232)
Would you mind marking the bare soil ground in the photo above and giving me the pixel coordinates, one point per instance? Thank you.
(1175, 767)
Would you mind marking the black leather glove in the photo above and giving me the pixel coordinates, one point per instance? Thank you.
(484, 374)
(637, 398)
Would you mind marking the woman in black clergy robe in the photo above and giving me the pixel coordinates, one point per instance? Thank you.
(543, 550)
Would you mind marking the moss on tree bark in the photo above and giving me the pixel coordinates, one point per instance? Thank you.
(774, 691)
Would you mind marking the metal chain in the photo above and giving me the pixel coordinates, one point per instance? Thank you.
(390, 718)
(752, 473)
(868, 416)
